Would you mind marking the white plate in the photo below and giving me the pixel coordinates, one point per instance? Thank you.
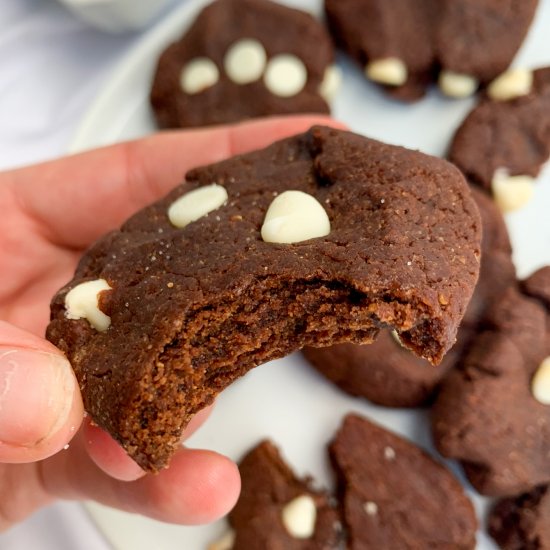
(116, 16)
(286, 400)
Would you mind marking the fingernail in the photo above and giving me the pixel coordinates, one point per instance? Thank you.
(36, 395)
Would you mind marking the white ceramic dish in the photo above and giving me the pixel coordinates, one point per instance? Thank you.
(116, 16)
(286, 400)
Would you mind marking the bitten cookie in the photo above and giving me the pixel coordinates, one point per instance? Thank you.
(242, 59)
(395, 495)
(504, 141)
(321, 238)
(406, 45)
(278, 510)
(522, 523)
(493, 413)
(385, 372)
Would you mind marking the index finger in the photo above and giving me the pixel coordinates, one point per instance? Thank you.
(77, 199)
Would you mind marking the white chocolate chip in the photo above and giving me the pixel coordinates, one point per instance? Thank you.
(540, 385)
(294, 216)
(332, 80)
(245, 61)
(389, 453)
(198, 75)
(82, 302)
(299, 517)
(371, 508)
(396, 337)
(285, 75)
(390, 70)
(511, 84)
(511, 192)
(225, 542)
(196, 204)
(457, 85)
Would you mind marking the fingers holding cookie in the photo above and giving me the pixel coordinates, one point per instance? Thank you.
(199, 487)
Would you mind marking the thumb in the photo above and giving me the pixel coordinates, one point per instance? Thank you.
(40, 404)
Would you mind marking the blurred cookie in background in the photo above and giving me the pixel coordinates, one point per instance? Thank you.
(522, 522)
(406, 45)
(393, 42)
(504, 141)
(242, 59)
(493, 412)
(477, 40)
(278, 510)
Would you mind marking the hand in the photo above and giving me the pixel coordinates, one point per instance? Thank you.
(50, 214)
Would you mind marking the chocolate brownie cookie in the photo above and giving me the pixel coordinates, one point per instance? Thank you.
(395, 495)
(477, 40)
(493, 412)
(388, 374)
(504, 141)
(522, 523)
(393, 41)
(405, 44)
(242, 59)
(321, 238)
(276, 510)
